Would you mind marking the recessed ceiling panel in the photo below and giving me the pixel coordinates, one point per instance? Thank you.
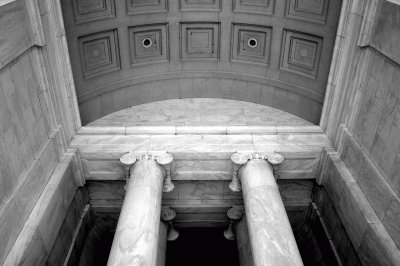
(148, 43)
(91, 10)
(200, 5)
(301, 53)
(312, 10)
(145, 6)
(257, 6)
(99, 53)
(200, 40)
(251, 43)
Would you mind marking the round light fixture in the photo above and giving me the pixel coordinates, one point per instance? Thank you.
(252, 43)
(147, 43)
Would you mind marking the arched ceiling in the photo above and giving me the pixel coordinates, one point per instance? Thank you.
(270, 52)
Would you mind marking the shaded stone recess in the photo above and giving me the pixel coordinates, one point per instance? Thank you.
(329, 233)
(198, 202)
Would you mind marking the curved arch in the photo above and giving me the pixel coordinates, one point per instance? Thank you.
(199, 112)
(223, 85)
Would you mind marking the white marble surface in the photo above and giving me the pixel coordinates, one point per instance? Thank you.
(243, 243)
(136, 237)
(271, 236)
(199, 112)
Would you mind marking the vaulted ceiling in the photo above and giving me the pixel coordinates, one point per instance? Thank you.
(274, 53)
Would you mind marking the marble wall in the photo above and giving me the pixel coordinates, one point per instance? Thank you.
(14, 32)
(37, 171)
(371, 149)
(39, 235)
(363, 110)
(28, 154)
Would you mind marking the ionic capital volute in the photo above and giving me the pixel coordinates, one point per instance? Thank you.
(238, 159)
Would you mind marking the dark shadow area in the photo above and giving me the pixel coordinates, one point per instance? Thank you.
(201, 246)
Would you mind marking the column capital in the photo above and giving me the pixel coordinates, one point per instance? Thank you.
(131, 158)
(239, 159)
(234, 214)
(167, 215)
(242, 158)
(162, 159)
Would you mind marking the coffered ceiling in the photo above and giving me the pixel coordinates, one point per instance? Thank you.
(130, 52)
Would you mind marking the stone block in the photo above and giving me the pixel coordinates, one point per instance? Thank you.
(353, 155)
(30, 190)
(349, 201)
(375, 187)
(28, 250)
(10, 227)
(377, 247)
(5, 116)
(391, 220)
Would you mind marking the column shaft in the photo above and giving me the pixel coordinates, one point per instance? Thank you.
(271, 236)
(136, 238)
(162, 244)
(243, 243)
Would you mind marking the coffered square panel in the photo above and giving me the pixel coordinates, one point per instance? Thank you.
(90, 10)
(145, 6)
(99, 53)
(200, 40)
(301, 53)
(251, 43)
(263, 6)
(200, 4)
(148, 43)
(311, 10)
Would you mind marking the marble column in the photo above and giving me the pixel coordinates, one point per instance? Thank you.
(271, 237)
(243, 243)
(137, 235)
(162, 244)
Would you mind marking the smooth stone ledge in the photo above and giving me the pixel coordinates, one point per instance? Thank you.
(199, 157)
(217, 130)
(203, 146)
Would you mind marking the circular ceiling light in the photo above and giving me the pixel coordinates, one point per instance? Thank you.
(252, 43)
(147, 43)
